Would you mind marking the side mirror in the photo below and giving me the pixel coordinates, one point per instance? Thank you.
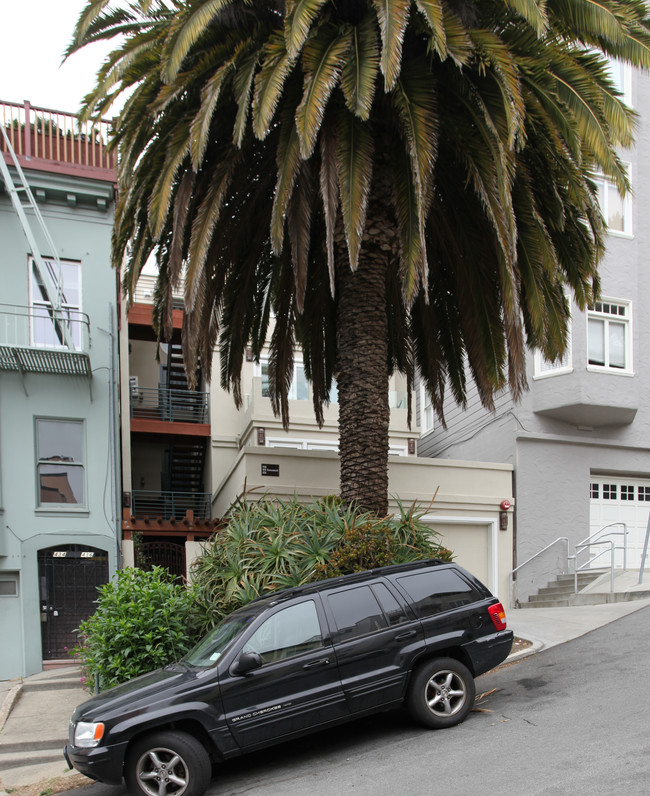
(247, 662)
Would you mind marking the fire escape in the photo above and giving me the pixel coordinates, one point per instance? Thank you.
(169, 503)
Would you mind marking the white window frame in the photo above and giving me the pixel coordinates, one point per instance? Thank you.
(300, 443)
(427, 415)
(62, 465)
(545, 369)
(604, 187)
(608, 317)
(39, 337)
(621, 74)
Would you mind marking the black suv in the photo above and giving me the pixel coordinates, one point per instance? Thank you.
(294, 662)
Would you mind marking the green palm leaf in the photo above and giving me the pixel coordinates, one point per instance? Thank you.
(242, 85)
(354, 150)
(322, 60)
(200, 127)
(269, 83)
(392, 16)
(300, 15)
(188, 31)
(359, 76)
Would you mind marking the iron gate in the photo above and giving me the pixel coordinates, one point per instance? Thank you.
(68, 576)
(170, 555)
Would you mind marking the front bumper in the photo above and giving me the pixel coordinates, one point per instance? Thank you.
(103, 763)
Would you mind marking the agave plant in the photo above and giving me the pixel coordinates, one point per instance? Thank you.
(272, 544)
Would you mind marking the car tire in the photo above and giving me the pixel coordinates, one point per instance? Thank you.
(441, 693)
(167, 764)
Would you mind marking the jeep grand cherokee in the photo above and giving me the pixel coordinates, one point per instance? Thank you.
(293, 662)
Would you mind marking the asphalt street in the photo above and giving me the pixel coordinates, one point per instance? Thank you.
(570, 719)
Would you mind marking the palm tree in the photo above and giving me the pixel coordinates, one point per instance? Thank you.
(406, 184)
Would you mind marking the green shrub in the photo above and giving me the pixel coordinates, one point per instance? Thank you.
(143, 621)
(272, 544)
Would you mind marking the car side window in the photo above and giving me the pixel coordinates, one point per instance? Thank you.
(392, 609)
(356, 613)
(435, 591)
(288, 632)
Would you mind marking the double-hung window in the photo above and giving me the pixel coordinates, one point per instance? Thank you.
(60, 462)
(65, 280)
(609, 335)
(616, 210)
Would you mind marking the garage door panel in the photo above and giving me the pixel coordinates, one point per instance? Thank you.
(620, 500)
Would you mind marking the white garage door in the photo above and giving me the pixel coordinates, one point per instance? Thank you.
(615, 499)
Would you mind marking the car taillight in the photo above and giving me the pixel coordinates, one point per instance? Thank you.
(498, 616)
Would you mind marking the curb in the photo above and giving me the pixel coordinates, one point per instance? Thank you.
(8, 702)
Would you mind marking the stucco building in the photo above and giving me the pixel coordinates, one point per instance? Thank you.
(59, 447)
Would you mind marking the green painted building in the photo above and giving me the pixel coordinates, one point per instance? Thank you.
(59, 421)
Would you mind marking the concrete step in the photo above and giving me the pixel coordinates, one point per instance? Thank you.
(34, 757)
(592, 598)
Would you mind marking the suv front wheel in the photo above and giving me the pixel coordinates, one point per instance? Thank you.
(441, 693)
(167, 764)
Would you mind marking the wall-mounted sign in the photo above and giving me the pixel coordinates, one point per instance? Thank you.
(271, 469)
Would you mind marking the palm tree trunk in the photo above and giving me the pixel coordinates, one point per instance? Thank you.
(362, 344)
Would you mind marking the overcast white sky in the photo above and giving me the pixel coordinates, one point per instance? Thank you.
(34, 35)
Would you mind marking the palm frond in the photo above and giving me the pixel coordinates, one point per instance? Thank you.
(359, 76)
(323, 58)
(190, 28)
(298, 22)
(354, 153)
(392, 16)
(269, 83)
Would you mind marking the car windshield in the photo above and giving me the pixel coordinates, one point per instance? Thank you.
(208, 651)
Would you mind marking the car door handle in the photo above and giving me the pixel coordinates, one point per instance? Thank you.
(408, 634)
(313, 664)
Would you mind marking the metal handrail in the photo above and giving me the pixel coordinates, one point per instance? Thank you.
(528, 560)
(577, 569)
(622, 533)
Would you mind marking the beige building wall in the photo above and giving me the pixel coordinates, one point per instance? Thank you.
(461, 500)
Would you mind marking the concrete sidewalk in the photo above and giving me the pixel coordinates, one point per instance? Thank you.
(35, 711)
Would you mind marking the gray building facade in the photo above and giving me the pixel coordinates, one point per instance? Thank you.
(579, 440)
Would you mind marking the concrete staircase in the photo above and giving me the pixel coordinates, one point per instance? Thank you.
(594, 588)
(35, 727)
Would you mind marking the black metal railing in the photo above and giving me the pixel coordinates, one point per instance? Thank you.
(171, 406)
(152, 504)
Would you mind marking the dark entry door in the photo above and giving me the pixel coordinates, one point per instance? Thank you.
(68, 576)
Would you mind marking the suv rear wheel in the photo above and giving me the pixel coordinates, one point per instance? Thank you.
(167, 764)
(441, 693)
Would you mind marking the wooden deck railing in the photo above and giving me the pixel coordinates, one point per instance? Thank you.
(42, 134)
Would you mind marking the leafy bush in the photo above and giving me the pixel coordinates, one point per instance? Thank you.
(143, 621)
(270, 545)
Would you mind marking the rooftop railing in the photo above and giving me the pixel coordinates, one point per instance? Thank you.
(44, 134)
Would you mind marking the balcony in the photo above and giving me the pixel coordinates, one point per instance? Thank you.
(35, 340)
(55, 141)
(148, 505)
(186, 409)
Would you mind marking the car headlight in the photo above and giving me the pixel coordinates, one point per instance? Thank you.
(88, 734)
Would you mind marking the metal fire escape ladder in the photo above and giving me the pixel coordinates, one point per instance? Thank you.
(52, 291)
